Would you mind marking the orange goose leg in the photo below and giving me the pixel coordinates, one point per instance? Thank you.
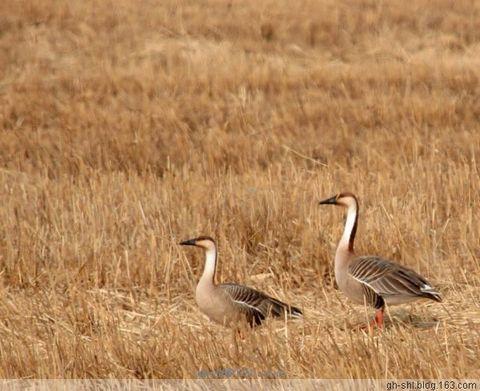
(376, 321)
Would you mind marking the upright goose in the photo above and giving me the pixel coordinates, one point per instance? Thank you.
(227, 303)
(371, 279)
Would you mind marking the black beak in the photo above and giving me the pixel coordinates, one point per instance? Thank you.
(190, 242)
(332, 201)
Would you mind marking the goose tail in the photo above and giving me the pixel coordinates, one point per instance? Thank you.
(295, 312)
(430, 293)
(279, 308)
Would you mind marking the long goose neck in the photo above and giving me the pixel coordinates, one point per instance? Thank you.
(348, 237)
(208, 275)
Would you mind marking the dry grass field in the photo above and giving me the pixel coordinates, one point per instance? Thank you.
(128, 126)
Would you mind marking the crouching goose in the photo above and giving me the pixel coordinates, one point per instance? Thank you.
(371, 279)
(227, 303)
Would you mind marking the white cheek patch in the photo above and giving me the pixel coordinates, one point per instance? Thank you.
(347, 201)
(426, 287)
(205, 244)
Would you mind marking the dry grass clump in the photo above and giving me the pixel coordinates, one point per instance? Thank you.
(127, 126)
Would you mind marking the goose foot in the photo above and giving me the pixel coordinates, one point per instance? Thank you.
(377, 321)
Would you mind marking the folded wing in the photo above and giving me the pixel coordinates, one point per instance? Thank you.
(257, 305)
(388, 279)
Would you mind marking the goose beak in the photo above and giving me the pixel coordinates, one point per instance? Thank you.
(329, 201)
(190, 242)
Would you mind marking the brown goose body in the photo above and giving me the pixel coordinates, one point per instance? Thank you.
(373, 280)
(230, 303)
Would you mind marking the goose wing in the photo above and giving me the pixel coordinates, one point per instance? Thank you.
(389, 279)
(257, 305)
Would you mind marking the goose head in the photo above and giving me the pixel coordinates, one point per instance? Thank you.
(346, 199)
(205, 242)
